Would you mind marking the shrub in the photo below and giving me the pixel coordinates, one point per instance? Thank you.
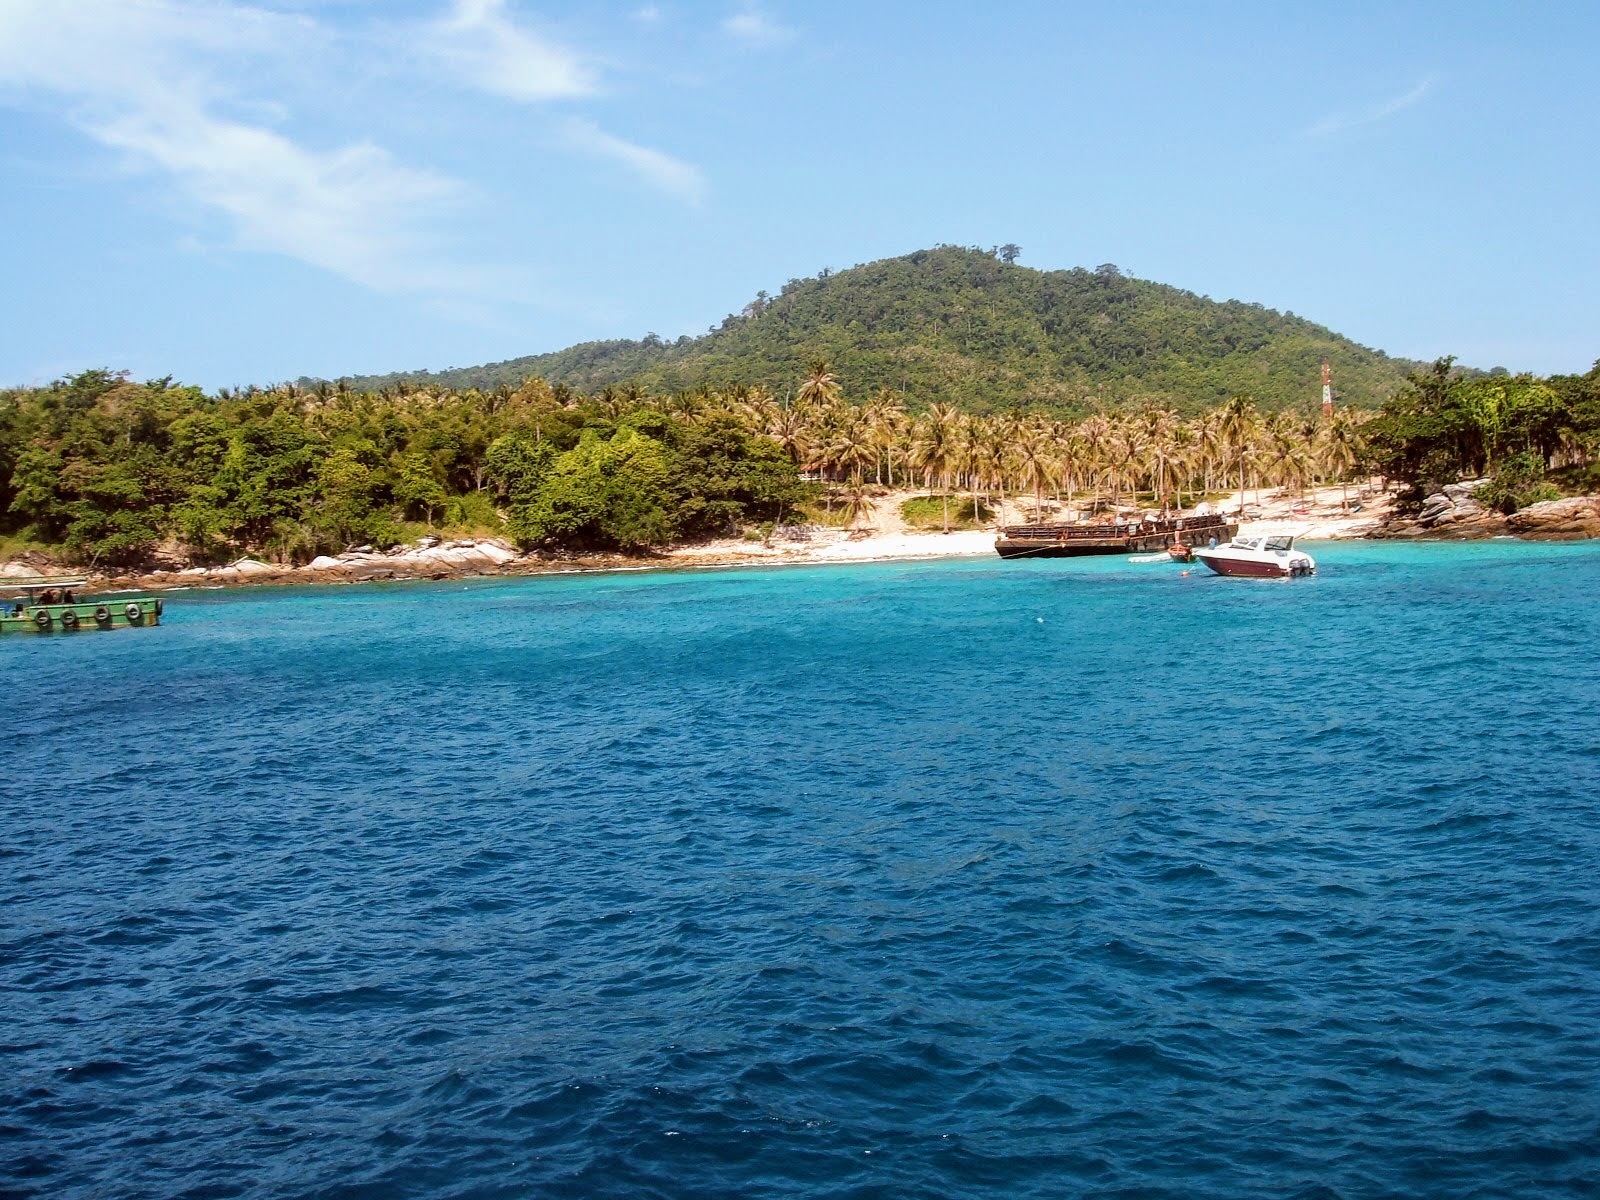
(927, 512)
(1518, 482)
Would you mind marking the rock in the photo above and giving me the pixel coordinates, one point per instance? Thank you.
(1457, 492)
(18, 570)
(323, 562)
(31, 562)
(1451, 503)
(496, 551)
(1571, 518)
(1435, 507)
(247, 567)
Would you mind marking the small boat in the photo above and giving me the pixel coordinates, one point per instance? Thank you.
(1180, 552)
(1259, 557)
(46, 604)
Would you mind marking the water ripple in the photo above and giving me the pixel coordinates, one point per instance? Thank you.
(827, 883)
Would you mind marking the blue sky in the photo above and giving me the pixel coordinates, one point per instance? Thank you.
(243, 193)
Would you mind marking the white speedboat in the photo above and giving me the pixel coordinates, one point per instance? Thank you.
(1258, 557)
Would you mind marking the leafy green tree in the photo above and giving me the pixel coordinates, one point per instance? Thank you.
(416, 488)
(517, 465)
(37, 501)
(611, 493)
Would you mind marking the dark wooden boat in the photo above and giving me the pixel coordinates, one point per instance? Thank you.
(1071, 541)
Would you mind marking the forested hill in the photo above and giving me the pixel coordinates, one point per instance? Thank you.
(968, 327)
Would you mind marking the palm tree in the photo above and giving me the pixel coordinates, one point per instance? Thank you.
(1238, 430)
(1340, 450)
(1184, 448)
(853, 446)
(1095, 435)
(1211, 447)
(858, 506)
(972, 455)
(1157, 425)
(1031, 453)
(887, 414)
(934, 452)
(819, 389)
(1126, 450)
(788, 428)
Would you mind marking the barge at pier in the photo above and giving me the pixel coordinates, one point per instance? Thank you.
(1071, 541)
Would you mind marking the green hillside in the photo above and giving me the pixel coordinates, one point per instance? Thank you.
(962, 325)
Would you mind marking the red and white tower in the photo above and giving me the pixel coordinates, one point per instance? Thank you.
(1327, 390)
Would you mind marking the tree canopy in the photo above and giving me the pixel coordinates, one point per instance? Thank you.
(974, 328)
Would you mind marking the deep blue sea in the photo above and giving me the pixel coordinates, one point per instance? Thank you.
(961, 878)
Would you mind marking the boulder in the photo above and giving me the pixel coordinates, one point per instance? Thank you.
(246, 567)
(1451, 503)
(1435, 507)
(323, 562)
(1457, 492)
(497, 551)
(1571, 518)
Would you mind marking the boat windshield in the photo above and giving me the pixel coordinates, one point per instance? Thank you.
(1280, 543)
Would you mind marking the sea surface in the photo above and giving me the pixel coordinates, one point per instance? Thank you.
(943, 879)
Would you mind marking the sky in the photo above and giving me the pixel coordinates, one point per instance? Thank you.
(244, 193)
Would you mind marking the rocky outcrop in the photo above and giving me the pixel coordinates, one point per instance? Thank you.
(1450, 514)
(1454, 514)
(428, 559)
(29, 562)
(1558, 520)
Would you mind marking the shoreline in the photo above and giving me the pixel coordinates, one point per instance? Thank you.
(1319, 516)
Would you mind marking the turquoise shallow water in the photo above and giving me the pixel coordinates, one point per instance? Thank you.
(938, 879)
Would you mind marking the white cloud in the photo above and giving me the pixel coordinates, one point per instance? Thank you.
(353, 211)
(1334, 122)
(131, 76)
(484, 48)
(661, 171)
(751, 25)
(207, 92)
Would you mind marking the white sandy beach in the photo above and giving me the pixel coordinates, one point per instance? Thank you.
(1320, 515)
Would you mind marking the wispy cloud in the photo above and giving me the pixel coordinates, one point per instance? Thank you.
(751, 25)
(146, 78)
(207, 93)
(487, 51)
(484, 48)
(353, 211)
(1334, 122)
(660, 171)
